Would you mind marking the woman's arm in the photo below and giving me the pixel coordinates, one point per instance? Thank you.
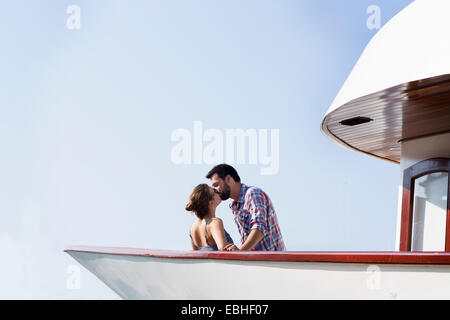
(194, 247)
(218, 233)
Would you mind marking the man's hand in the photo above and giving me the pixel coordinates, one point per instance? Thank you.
(230, 247)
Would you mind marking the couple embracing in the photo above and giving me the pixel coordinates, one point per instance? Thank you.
(252, 209)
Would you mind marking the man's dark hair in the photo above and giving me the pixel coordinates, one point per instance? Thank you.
(222, 171)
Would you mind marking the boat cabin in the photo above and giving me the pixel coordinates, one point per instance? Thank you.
(395, 106)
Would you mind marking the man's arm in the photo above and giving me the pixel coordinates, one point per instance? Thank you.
(253, 239)
(258, 211)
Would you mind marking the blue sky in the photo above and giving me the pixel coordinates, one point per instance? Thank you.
(86, 118)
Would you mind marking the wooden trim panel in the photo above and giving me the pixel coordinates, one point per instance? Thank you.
(434, 258)
(408, 111)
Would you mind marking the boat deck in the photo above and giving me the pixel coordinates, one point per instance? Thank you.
(382, 257)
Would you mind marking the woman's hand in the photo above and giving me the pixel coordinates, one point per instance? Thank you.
(230, 247)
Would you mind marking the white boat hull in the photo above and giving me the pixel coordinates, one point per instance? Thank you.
(147, 277)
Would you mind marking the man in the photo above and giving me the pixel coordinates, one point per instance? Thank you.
(253, 211)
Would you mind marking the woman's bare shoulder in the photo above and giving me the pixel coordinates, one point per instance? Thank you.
(216, 222)
(194, 226)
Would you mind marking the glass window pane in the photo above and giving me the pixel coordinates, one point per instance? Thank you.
(430, 212)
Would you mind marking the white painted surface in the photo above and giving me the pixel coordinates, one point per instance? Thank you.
(138, 277)
(416, 150)
(411, 46)
(430, 212)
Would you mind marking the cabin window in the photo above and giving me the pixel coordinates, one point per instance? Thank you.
(430, 212)
(425, 222)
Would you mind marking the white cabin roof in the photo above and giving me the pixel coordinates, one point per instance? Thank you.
(414, 45)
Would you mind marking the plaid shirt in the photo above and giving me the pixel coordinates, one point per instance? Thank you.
(254, 210)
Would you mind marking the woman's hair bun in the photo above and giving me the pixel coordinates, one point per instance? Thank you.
(199, 200)
(190, 206)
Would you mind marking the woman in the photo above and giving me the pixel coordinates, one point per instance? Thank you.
(207, 232)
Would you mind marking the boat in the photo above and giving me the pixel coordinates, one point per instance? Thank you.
(395, 106)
